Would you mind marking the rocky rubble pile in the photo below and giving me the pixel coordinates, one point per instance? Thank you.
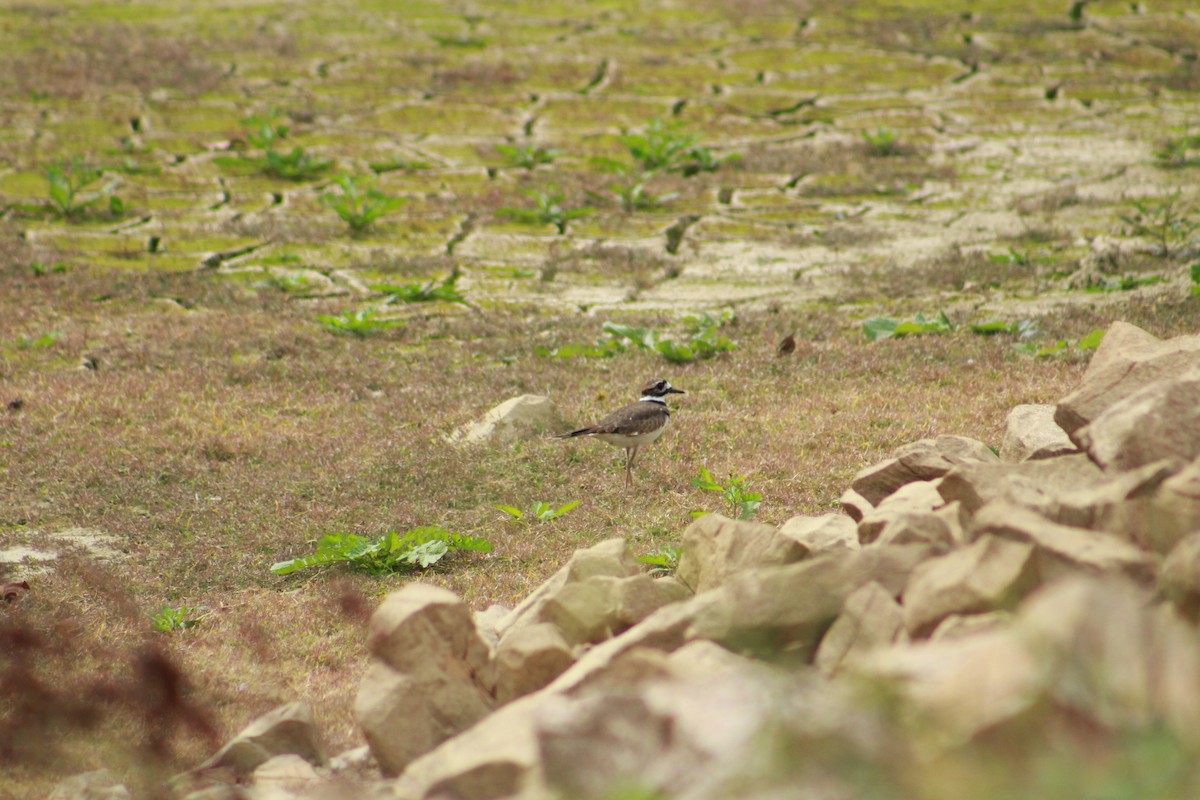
(963, 596)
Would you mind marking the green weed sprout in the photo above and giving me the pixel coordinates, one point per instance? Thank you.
(529, 156)
(359, 204)
(419, 548)
(1061, 347)
(664, 562)
(702, 339)
(882, 141)
(1164, 223)
(361, 323)
(176, 619)
(69, 182)
(633, 196)
(266, 132)
(541, 511)
(886, 328)
(664, 147)
(742, 503)
(548, 210)
(445, 291)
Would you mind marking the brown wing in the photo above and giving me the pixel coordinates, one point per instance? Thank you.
(635, 418)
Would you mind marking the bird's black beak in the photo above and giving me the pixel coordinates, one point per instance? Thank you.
(673, 390)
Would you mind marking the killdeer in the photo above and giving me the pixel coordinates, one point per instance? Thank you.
(634, 425)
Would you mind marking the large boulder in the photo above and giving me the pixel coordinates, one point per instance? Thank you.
(526, 417)
(1160, 420)
(918, 497)
(530, 659)
(592, 610)
(989, 574)
(429, 677)
(1127, 360)
(1030, 433)
(716, 547)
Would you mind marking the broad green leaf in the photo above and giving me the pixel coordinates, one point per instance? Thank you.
(1092, 340)
(991, 328)
(512, 511)
(880, 328)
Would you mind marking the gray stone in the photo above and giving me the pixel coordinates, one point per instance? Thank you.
(716, 548)
(989, 574)
(826, 532)
(526, 417)
(1030, 434)
(870, 618)
(1127, 360)
(1160, 420)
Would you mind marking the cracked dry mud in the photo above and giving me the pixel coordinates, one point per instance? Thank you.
(1020, 131)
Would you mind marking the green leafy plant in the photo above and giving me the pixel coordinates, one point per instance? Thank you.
(635, 197)
(39, 342)
(528, 156)
(361, 323)
(1195, 272)
(445, 291)
(359, 203)
(1022, 328)
(541, 511)
(743, 504)
(1062, 346)
(297, 165)
(266, 132)
(887, 328)
(69, 182)
(419, 548)
(1124, 283)
(664, 147)
(882, 141)
(1179, 152)
(548, 210)
(396, 164)
(664, 562)
(1165, 223)
(702, 338)
(176, 619)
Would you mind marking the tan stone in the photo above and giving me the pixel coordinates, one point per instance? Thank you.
(287, 772)
(716, 548)
(1127, 360)
(913, 498)
(97, 785)
(942, 529)
(1160, 420)
(870, 618)
(530, 659)
(1030, 434)
(1062, 548)
(855, 505)
(1179, 578)
(288, 729)
(989, 574)
(1033, 484)
(826, 532)
(526, 417)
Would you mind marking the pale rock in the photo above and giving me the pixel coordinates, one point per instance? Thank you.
(429, 677)
(583, 611)
(1128, 505)
(826, 532)
(97, 785)
(870, 618)
(1062, 548)
(526, 417)
(1179, 578)
(530, 659)
(782, 612)
(1030, 434)
(287, 772)
(1160, 420)
(496, 758)
(1128, 359)
(1032, 484)
(989, 574)
(610, 558)
(957, 626)
(288, 729)
(639, 596)
(486, 622)
(923, 460)
(716, 548)
(916, 497)
(854, 505)
(355, 760)
(942, 529)
(1175, 508)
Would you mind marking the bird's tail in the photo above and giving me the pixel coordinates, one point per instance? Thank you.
(580, 432)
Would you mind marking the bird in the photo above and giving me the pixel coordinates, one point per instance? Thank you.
(635, 425)
(787, 346)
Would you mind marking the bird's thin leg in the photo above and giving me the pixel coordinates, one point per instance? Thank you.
(630, 455)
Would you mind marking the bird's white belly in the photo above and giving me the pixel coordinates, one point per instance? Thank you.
(631, 440)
